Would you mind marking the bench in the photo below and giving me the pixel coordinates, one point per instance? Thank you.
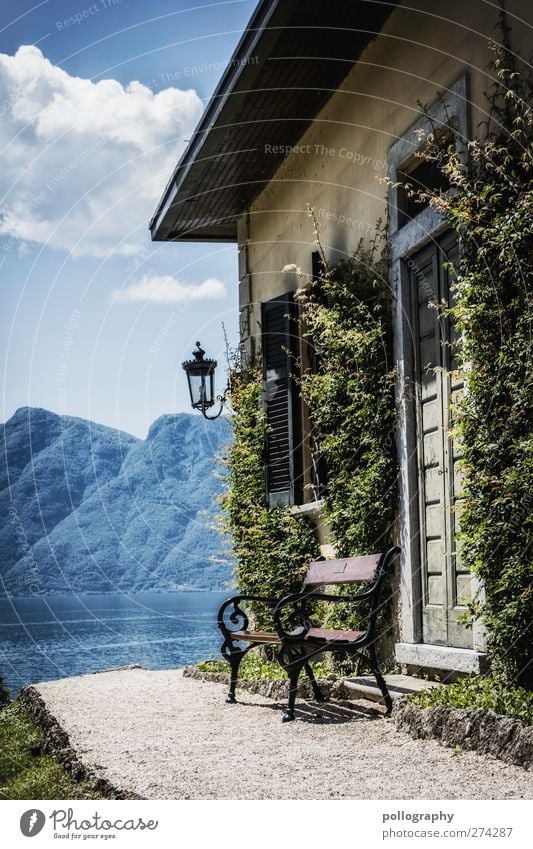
(299, 639)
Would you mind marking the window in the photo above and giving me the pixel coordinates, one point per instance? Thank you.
(420, 174)
(410, 221)
(280, 345)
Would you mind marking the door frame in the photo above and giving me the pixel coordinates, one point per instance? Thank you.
(414, 235)
(429, 226)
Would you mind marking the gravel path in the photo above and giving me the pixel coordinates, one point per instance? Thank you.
(163, 736)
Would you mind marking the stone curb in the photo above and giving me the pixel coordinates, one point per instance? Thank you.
(277, 689)
(57, 744)
(478, 730)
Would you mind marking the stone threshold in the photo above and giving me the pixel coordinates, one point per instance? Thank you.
(365, 686)
(425, 655)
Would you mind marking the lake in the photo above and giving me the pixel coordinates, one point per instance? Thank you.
(42, 638)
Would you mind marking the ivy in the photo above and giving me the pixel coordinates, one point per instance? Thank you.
(490, 206)
(346, 317)
(272, 546)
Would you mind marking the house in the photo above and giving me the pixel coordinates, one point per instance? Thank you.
(319, 100)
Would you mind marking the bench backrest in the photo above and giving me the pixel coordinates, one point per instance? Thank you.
(345, 571)
(371, 568)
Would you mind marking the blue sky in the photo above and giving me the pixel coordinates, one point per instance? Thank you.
(97, 101)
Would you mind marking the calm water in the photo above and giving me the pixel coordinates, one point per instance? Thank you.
(46, 638)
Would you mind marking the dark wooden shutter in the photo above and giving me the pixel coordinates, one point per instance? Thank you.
(280, 344)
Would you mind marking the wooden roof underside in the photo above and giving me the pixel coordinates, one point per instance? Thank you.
(291, 58)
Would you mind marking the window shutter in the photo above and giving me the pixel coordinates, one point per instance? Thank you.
(283, 442)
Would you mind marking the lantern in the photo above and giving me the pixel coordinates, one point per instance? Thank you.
(201, 379)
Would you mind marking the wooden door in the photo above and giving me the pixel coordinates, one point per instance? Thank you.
(438, 384)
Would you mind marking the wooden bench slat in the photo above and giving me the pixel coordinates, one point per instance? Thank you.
(342, 571)
(256, 636)
(330, 636)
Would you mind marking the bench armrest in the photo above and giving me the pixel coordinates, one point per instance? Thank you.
(299, 618)
(238, 616)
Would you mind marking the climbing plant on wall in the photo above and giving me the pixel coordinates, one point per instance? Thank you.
(346, 319)
(491, 208)
(271, 546)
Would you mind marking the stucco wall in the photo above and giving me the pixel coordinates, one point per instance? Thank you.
(419, 54)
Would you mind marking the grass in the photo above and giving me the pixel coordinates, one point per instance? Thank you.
(254, 668)
(27, 776)
(480, 691)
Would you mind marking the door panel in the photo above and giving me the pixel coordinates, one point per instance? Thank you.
(432, 484)
(438, 384)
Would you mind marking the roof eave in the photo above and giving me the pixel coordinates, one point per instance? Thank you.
(301, 48)
(237, 66)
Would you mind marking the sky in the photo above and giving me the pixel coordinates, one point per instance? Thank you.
(97, 101)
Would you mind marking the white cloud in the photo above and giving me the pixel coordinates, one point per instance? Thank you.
(83, 163)
(159, 289)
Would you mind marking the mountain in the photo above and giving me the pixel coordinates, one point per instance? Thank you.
(88, 508)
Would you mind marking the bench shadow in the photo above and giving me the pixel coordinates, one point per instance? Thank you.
(327, 713)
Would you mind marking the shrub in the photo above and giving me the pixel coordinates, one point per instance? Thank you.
(254, 667)
(480, 692)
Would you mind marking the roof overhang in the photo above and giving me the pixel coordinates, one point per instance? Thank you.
(291, 58)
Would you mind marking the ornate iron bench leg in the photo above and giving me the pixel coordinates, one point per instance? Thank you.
(294, 674)
(379, 678)
(317, 692)
(292, 660)
(233, 655)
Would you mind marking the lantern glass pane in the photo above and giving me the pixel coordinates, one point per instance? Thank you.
(210, 389)
(195, 387)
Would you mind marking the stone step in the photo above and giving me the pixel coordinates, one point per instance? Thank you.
(365, 686)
